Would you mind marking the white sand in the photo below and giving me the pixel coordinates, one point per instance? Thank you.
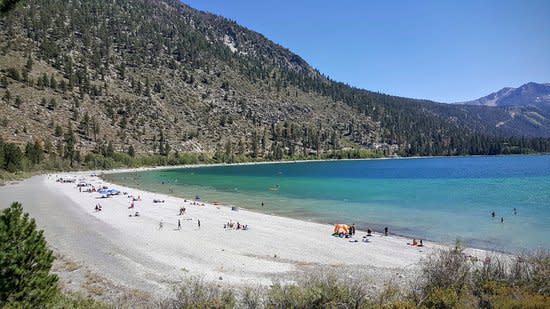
(136, 253)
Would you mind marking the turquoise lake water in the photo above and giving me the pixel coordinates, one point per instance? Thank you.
(440, 199)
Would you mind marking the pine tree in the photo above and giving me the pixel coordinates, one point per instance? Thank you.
(18, 102)
(12, 158)
(7, 96)
(25, 262)
(131, 151)
(28, 66)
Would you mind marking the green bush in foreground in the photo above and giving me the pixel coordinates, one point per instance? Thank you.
(25, 261)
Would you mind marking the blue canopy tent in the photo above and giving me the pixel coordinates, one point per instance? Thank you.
(113, 191)
(103, 191)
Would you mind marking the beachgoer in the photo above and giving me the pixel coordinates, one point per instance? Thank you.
(160, 224)
(515, 211)
(262, 204)
(501, 219)
(414, 242)
(369, 232)
(493, 214)
(179, 224)
(420, 244)
(199, 223)
(386, 231)
(352, 230)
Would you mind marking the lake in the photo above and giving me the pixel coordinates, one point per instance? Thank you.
(439, 199)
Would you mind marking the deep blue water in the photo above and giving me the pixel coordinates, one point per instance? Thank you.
(440, 199)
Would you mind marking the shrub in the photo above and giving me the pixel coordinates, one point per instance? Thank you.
(196, 293)
(319, 290)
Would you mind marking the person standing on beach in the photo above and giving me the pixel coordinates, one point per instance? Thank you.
(179, 224)
(199, 223)
(386, 231)
(160, 224)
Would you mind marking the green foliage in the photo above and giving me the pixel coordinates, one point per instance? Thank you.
(4, 82)
(452, 279)
(6, 5)
(195, 293)
(11, 157)
(18, 102)
(25, 262)
(76, 301)
(131, 151)
(58, 131)
(319, 290)
(53, 104)
(13, 73)
(34, 152)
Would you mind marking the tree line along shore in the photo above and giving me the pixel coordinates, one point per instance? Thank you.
(17, 162)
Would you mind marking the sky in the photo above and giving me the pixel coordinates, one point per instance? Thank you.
(446, 51)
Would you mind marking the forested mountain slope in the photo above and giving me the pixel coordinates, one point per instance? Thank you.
(159, 76)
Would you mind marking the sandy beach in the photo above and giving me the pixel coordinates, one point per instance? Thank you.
(135, 252)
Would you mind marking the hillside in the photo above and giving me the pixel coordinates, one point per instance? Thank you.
(158, 76)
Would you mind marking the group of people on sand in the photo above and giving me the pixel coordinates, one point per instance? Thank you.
(236, 226)
(416, 243)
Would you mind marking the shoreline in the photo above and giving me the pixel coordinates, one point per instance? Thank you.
(468, 244)
(134, 253)
(395, 254)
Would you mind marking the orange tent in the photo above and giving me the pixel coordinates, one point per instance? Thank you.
(341, 229)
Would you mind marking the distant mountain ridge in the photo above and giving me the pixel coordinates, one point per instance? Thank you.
(525, 95)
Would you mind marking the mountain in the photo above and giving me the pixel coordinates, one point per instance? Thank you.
(527, 107)
(530, 94)
(160, 77)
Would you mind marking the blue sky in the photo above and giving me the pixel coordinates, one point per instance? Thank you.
(446, 51)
